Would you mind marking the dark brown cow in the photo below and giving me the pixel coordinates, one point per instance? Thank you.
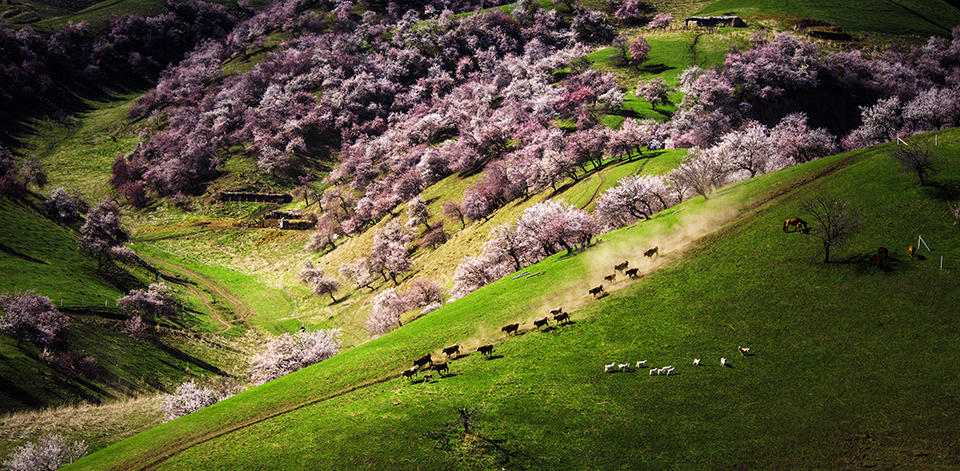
(510, 328)
(410, 373)
(632, 273)
(610, 277)
(562, 318)
(440, 368)
(652, 252)
(486, 350)
(451, 350)
(596, 291)
(877, 260)
(423, 361)
(883, 252)
(622, 265)
(540, 323)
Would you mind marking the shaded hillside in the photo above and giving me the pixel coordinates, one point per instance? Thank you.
(836, 349)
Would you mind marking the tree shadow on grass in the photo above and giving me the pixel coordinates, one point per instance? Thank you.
(943, 190)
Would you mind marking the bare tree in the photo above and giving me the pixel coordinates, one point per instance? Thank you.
(837, 221)
(918, 159)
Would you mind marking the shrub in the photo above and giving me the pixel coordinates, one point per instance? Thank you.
(32, 318)
(291, 352)
(187, 398)
(49, 453)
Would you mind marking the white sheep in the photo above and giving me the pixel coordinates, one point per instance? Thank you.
(653, 371)
(696, 361)
(610, 368)
(743, 351)
(641, 363)
(662, 371)
(670, 370)
(723, 362)
(623, 366)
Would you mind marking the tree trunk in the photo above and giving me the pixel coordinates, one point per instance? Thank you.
(394, 277)
(331, 297)
(826, 253)
(463, 224)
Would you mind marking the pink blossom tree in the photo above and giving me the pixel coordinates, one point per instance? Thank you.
(32, 318)
(639, 48)
(326, 235)
(554, 225)
(154, 302)
(417, 213)
(186, 399)
(700, 171)
(319, 282)
(655, 91)
(386, 311)
(287, 353)
(632, 198)
(795, 140)
(49, 452)
(101, 232)
(454, 210)
(660, 20)
(389, 251)
(359, 272)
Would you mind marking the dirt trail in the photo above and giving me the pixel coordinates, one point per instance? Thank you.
(749, 211)
(239, 306)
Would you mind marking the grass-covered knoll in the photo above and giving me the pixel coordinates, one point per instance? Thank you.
(902, 17)
(671, 52)
(837, 348)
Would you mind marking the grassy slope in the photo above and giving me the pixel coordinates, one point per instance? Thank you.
(49, 262)
(79, 154)
(901, 17)
(840, 348)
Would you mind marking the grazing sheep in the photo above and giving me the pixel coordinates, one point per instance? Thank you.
(610, 277)
(440, 368)
(633, 272)
(410, 373)
(556, 310)
(621, 266)
(723, 362)
(610, 368)
(696, 361)
(653, 371)
(451, 350)
(652, 252)
(661, 371)
(540, 323)
(486, 350)
(423, 361)
(670, 370)
(641, 363)
(596, 291)
(510, 328)
(562, 318)
(743, 351)
(624, 367)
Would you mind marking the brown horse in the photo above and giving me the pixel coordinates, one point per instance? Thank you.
(621, 266)
(486, 350)
(540, 323)
(596, 291)
(632, 273)
(510, 328)
(451, 350)
(423, 361)
(563, 318)
(610, 277)
(652, 252)
(798, 225)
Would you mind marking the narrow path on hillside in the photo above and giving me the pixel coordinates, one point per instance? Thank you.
(239, 306)
(750, 210)
(596, 191)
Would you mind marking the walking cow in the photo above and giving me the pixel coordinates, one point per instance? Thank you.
(510, 328)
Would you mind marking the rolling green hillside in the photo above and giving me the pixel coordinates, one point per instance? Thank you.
(900, 17)
(852, 364)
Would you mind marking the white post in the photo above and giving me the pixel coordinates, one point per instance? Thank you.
(941, 262)
(901, 141)
(936, 140)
